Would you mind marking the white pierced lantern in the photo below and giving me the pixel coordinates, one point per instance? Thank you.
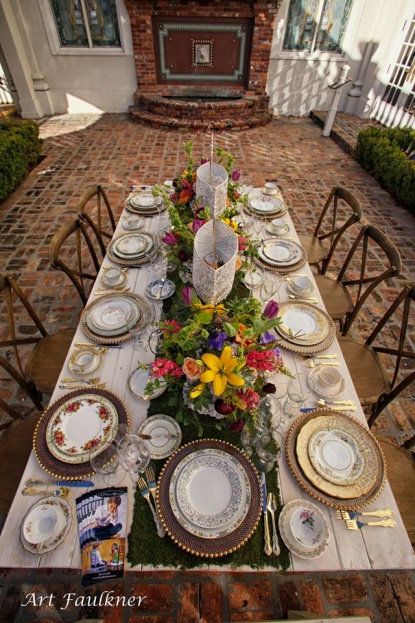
(212, 285)
(212, 187)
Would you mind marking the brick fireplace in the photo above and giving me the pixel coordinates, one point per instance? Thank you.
(201, 64)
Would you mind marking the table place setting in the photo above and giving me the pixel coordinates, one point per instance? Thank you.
(282, 255)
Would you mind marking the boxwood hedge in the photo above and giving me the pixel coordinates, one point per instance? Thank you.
(384, 153)
(20, 147)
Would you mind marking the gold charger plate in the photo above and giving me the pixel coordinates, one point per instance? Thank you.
(282, 269)
(146, 316)
(371, 472)
(132, 261)
(197, 545)
(351, 503)
(302, 348)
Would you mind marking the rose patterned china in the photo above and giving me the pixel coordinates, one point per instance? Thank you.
(64, 519)
(40, 523)
(295, 534)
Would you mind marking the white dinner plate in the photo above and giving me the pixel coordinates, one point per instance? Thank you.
(266, 204)
(113, 315)
(210, 493)
(64, 511)
(335, 455)
(280, 252)
(284, 524)
(134, 245)
(166, 435)
(145, 200)
(303, 324)
(80, 426)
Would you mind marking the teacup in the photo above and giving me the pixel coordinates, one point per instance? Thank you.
(168, 184)
(279, 226)
(40, 524)
(302, 283)
(112, 275)
(270, 188)
(307, 527)
(330, 377)
(133, 221)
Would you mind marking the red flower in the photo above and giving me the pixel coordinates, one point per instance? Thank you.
(264, 361)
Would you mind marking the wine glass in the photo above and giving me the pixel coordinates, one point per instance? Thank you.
(107, 464)
(134, 455)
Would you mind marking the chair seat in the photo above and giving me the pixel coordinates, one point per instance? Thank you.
(15, 447)
(368, 375)
(46, 360)
(336, 298)
(313, 247)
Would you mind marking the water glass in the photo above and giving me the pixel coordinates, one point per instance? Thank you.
(107, 464)
(134, 455)
(292, 404)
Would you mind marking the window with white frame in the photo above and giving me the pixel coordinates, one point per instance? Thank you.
(316, 25)
(87, 23)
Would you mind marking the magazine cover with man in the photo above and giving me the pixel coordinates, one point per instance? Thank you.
(102, 515)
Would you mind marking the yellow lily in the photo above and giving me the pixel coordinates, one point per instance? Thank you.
(197, 390)
(221, 371)
(232, 224)
(209, 308)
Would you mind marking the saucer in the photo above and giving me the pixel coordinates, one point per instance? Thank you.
(84, 360)
(64, 512)
(40, 523)
(169, 435)
(137, 382)
(127, 225)
(281, 231)
(308, 550)
(159, 289)
(303, 294)
(324, 390)
(113, 284)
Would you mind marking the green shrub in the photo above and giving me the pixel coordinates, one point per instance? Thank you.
(381, 151)
(20, 147)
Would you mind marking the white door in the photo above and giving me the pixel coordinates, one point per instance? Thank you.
(396, 105)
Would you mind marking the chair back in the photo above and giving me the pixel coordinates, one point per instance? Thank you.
(73, 251)
(94, 208)
(341, 210)
(402, 314)
(16, 309)
(363, 269)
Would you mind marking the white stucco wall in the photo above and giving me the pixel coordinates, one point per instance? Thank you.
(75, 81)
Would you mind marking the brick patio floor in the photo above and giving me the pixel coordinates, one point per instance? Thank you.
(116, 152)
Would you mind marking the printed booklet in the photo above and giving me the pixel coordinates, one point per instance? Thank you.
(102, 515)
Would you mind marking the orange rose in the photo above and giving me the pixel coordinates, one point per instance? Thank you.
(238, 262)
(192, 369)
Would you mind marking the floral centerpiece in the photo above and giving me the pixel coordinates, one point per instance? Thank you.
(216, 359)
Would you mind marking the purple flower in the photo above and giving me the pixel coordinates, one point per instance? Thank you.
(187, 295)
(171, 239)
(182, 255)
(197, 224)
(267, 338)
(269, 388)
(217, 339)
(235, 175)
(204, 160)
(271, 309)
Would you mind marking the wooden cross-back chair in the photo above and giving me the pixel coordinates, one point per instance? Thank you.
(73, 250)
(34, 360)
(341, 210)
(372, 259)
(94, 208)
(386, 347)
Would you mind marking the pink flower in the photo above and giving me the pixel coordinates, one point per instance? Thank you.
(243, 243)
(187, 295)
(247, 399)
(196, 225)
(235, 175)
(171, 239)
(264, 360)
(171, 326)
(165, 367)
(271, 310)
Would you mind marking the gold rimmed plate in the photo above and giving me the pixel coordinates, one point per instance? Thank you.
(65, 520)
(303, 324)
(302, 347)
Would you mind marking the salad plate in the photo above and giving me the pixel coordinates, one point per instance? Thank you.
(284, 252)
(64, 520)
(113, 314)
(160, 289)
(210, 493)
(336, 455)
(266, 204)
(80, 426)
(304, 529)
(165, 435)
(138, 382)
(132, 245)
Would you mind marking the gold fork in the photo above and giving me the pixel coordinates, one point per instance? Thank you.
(347, 515)
(353, 524)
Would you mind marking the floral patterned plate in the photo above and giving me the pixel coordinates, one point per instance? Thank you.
(79, 426)
(336, 455)
(210, 493)
(304, 529)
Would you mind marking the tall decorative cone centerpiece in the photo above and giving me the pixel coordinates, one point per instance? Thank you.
(216, 244)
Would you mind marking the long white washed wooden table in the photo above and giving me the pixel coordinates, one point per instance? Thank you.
(370, 548)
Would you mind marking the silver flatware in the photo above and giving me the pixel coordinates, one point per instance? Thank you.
(272, 507)
(267, 536)
(144, 490)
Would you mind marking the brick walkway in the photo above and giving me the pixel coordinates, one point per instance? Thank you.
(113, 150)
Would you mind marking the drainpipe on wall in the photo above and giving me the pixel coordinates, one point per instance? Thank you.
(341, 81)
